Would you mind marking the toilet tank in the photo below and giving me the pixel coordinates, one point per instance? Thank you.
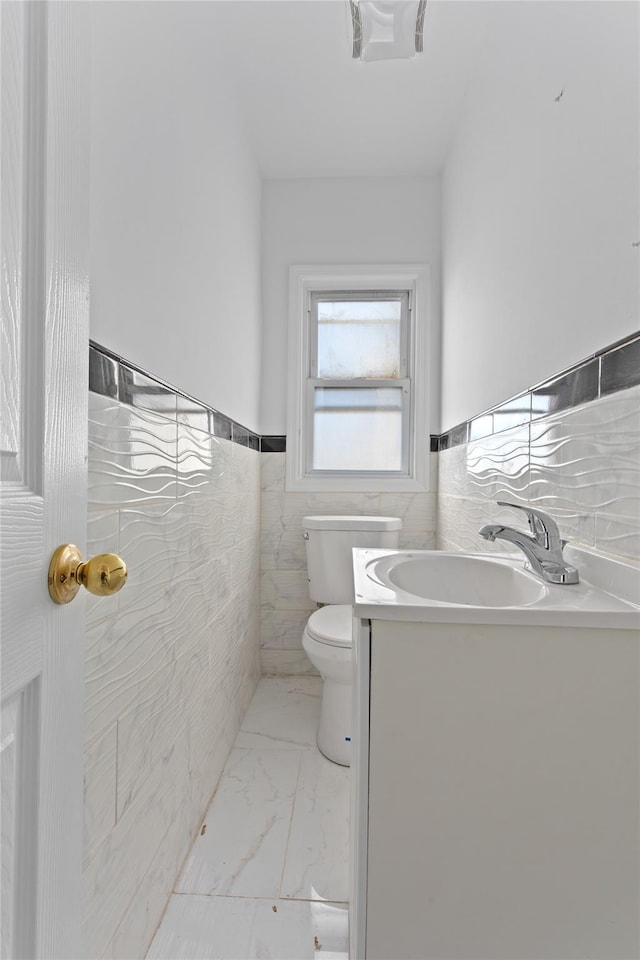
(329, 541)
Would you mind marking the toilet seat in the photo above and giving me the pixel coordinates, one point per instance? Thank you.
(332, 625)
(326, 640)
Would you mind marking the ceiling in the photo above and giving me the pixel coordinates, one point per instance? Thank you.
(313, 111)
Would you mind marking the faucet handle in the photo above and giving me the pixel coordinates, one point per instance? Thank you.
(542, 526)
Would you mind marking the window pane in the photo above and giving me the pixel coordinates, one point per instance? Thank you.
(359, 338)
(357, 428)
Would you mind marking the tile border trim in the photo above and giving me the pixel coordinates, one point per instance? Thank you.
(273, 444)
(110, 375)
(616, 367)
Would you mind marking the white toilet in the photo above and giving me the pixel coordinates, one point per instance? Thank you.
(327, 635)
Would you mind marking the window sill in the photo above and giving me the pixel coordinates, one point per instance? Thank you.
(354, 485)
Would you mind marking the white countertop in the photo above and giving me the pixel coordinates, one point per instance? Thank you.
(576, 605)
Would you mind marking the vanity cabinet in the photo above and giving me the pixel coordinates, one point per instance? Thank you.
(495, 803)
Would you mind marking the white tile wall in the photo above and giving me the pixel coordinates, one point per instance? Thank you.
(284, 595)
(582, 466)
(172, 661)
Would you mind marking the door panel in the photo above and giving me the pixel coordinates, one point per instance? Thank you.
(44, 349)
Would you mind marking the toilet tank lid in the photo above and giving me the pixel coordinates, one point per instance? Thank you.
(352, 523)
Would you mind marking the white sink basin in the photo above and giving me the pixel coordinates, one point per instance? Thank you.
(457, 579)
(442, 587)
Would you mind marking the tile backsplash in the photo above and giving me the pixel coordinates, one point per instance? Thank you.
(580, 465)
(173, 659)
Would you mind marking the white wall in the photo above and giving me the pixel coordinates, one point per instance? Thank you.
(333, 221)
(541, 200)
(175, 204)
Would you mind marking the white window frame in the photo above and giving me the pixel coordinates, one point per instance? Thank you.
(307, 279)
(402, 382)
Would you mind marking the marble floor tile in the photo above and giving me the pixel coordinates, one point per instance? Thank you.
(269, 876)
(242, 850)
(317, 861)
(283, 714)
(213, 928)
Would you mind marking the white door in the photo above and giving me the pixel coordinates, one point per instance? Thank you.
(43, 440)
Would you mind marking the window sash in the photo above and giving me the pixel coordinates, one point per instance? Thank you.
(355, 384)
(324, 296)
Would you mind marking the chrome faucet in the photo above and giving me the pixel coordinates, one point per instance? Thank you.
(542, 548)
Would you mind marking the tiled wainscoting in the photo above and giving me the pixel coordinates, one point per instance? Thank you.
(204, 522)
(581, 465)
(173, 660)
(284, 592)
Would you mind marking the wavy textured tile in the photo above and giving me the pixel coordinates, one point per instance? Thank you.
(141, 919)
(490, 468)
(100, 790)
(149, 542)
(152, 729)
(114, 875)
(581, 466)
(499, 465)
(452, 471)
(132, 455)
(618, 536)
(202, 460)
(126, 658)
(589, 459)
(103, 536)
(459, 520)
(172, 661)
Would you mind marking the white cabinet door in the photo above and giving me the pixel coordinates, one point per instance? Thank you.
(503, 792)
(43, 440)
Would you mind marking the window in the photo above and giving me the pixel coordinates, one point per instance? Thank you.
(354, 411)
(359, 395)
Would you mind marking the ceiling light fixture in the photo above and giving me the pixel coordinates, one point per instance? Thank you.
(387, 29)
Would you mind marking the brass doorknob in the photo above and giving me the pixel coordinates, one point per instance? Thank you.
(102, 575)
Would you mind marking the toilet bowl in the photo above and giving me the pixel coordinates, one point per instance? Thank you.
(327, 643)
(327, 634)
